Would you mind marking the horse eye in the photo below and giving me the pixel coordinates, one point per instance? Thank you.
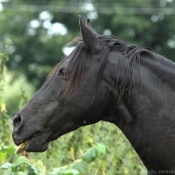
(62, 71)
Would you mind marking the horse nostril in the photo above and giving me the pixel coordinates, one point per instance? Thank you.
(17, 122)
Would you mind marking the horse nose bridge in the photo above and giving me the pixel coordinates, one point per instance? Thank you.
(17, 122)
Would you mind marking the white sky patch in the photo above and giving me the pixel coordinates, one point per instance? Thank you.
(88, 7)
(154, 18)
(34, 23)
(92, 15)
(47, 24)
(68, 50)
(171, 43)
(45, 15)
(1, 7)
(58, 29)
(31, 31)
(53, 28)
(107, 32)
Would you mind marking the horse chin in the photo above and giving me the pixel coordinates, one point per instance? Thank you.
(36, 145)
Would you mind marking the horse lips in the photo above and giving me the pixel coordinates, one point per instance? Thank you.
(21, 147)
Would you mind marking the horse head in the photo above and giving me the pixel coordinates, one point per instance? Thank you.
(72, 96)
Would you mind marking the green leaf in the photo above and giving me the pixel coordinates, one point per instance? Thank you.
(7, 149)
(41, 167)
(70, 171)
(64, 171)
(90, 155)
(7, 165)
(21, 173)
(32, 170)
(2, 156)
(7, 172)
(79, 165)
(101, 149)
(57, 171)
(22, 160)
(10, 149)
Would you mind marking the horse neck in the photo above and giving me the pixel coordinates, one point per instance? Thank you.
(146, 114)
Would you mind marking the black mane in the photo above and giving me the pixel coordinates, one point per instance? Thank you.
(131, 52)
(128, 51)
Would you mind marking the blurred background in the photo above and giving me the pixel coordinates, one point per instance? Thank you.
(33, 37)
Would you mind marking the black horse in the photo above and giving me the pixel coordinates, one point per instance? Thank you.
(105, 78)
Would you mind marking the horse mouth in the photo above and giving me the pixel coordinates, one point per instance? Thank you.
(21, 148)
(36, 143)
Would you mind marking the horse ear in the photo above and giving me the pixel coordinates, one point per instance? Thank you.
(89, 38)
(90, 28)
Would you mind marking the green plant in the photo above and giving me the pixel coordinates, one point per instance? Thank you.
(21, 166)
(25, 166)
(16, 92)
(4, 129)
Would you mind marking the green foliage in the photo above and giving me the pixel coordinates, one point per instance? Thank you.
(90, 155)
(23, 166)
(81, 166)
(3, 117)
(36, 49)
(16, 97)
(3, 60)
(6, 152)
